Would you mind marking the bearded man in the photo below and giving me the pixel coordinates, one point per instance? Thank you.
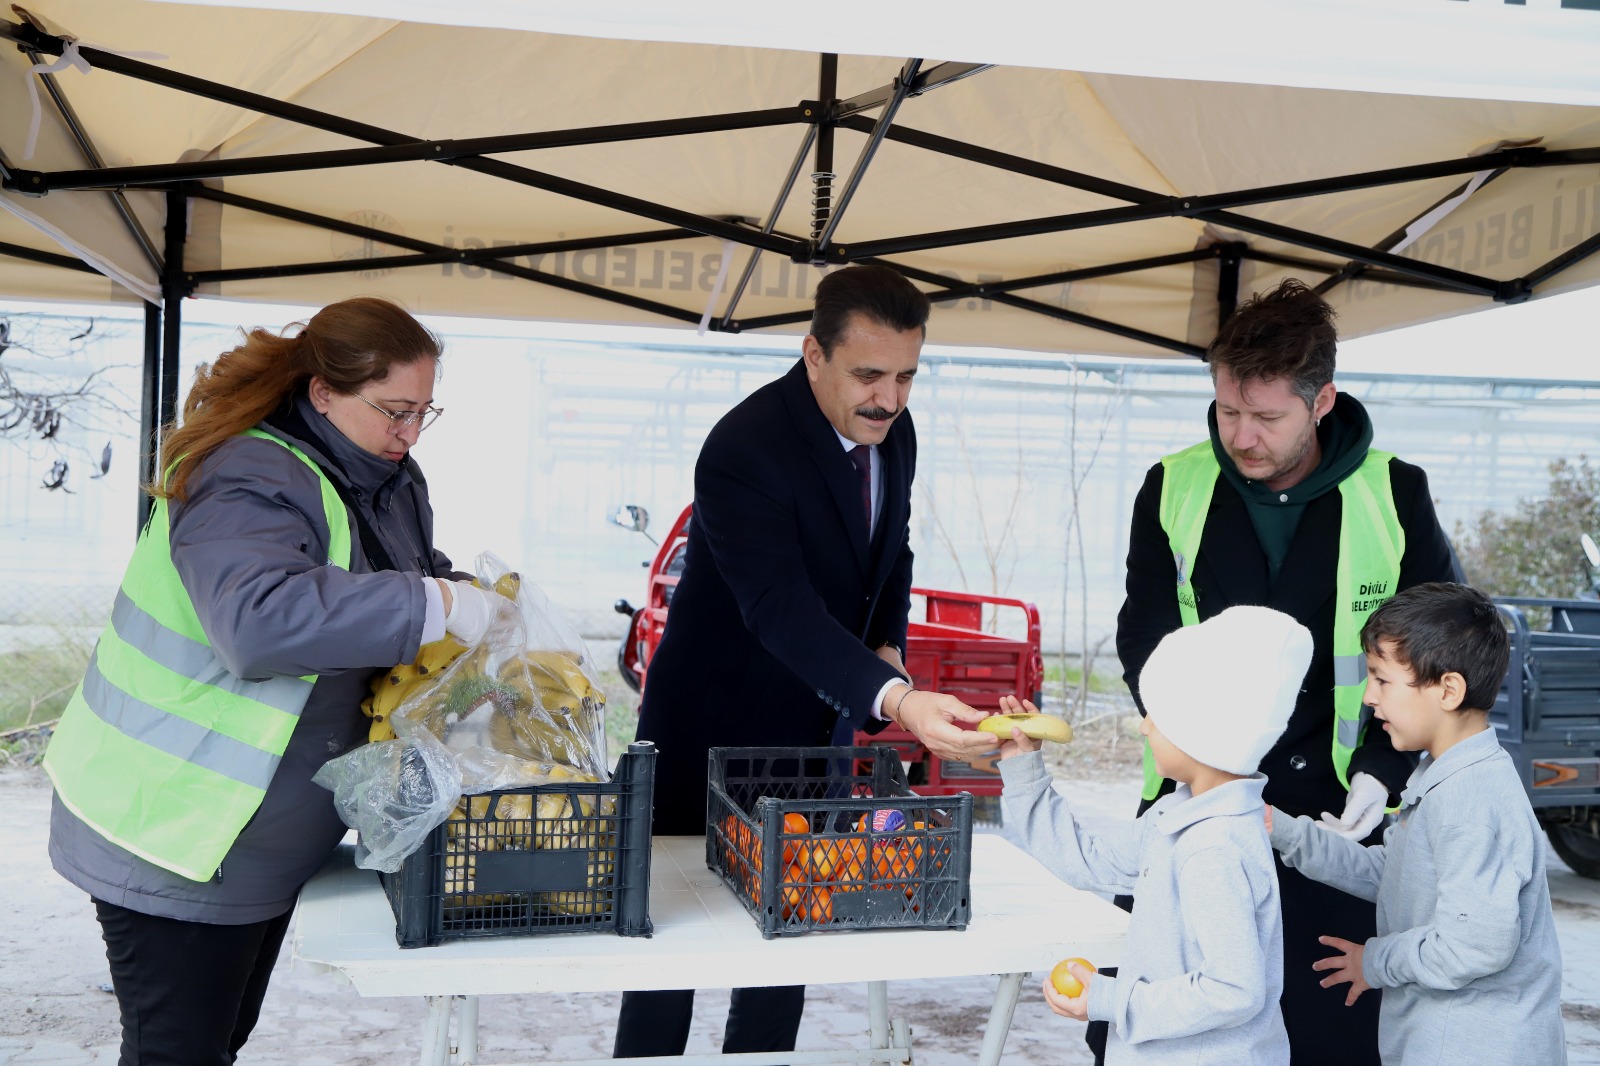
(1288, 506)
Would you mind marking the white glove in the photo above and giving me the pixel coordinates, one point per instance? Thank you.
(1363, 809)
(471, 611)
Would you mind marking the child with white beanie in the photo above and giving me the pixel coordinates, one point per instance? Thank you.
(1202, 966)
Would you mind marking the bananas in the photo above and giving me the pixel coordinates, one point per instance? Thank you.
(507, 584)
(528, 822)
(393, 687)
(1034, 726)
(518, 717)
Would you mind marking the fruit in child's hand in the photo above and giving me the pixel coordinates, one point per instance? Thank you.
(1063, 981)
(1034, 726)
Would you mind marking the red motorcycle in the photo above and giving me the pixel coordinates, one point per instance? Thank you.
(949, 650)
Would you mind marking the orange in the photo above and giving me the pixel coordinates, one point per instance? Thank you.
(825, 859)
(793, 824)
(893, 861)
(853, 863)
(1063, 980)
(822, 906)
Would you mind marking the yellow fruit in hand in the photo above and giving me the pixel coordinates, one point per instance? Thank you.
(1064, 982)
(1035, 726)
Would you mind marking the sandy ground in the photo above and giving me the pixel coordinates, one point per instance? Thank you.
(55, 1005)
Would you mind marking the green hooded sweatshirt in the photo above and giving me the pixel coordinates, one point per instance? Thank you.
(1344, 435)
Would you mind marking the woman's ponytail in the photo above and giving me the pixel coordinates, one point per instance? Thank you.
(347, 344)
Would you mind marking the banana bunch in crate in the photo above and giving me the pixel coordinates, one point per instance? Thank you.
(531, 717)
(526, 822)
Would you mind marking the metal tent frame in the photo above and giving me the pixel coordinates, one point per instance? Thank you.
(183, 183)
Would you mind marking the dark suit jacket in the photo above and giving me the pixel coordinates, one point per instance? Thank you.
(1232, 569)
(782, 601)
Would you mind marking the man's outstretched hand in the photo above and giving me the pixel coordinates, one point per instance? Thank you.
(931, 718)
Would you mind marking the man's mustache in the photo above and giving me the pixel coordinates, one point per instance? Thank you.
(875, 412)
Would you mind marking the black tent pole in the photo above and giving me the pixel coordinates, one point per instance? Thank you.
(822, 177)
(149, 408)
(820, 133)
(91, 155)
(1571, 256)
(902, 87)
(772, 220)
(1228, 281)
(174, 287)
(382, 237)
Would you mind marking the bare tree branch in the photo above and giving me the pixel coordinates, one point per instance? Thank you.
(49, 394)
(931, 506)
(1077, 476)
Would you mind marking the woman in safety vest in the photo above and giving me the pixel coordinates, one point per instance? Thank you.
(288, 556)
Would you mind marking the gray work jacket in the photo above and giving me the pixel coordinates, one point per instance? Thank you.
(251, 547)
(1466, 951)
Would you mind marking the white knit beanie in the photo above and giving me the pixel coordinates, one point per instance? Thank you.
(1222, 691)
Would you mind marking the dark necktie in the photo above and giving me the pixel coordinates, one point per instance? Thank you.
(861, 456)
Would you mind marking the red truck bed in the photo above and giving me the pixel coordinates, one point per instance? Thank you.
(951, 651)
(954, 649)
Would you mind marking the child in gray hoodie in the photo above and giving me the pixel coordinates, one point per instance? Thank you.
(1202, 966)
(1466, 951)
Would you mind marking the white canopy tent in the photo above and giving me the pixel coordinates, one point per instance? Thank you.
(1072, 179)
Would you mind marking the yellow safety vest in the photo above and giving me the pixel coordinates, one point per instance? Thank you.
(161, 749)
(1371, 545)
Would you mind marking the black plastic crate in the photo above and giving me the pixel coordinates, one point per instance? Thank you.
(834, 838)
(560, 858)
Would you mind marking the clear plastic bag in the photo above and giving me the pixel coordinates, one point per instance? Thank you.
(527, 693)
(522, 707)
(394, 793)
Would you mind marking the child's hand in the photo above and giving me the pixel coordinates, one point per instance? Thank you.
(1019, 742)
(1345, 967)
(1268, 815)
(1075, 1006)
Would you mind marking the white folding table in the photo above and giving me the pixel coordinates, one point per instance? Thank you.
(1023, 920)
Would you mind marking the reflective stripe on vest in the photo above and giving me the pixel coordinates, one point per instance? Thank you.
(161, 749)
(1371, 545)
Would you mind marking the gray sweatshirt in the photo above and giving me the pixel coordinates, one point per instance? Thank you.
(1466, 951)
(251, 547)
(1202, 967)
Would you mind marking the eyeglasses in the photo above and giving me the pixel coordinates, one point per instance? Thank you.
(399, 420)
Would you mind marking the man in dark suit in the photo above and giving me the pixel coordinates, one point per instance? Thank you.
(1289, 506)
(791, 612)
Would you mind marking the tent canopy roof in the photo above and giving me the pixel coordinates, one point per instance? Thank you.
(625, 163)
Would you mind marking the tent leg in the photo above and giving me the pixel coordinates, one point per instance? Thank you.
(163, 328)
(1227, 285)
(174, 287)
(149, 408)
(171, 332)
(822, 177)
